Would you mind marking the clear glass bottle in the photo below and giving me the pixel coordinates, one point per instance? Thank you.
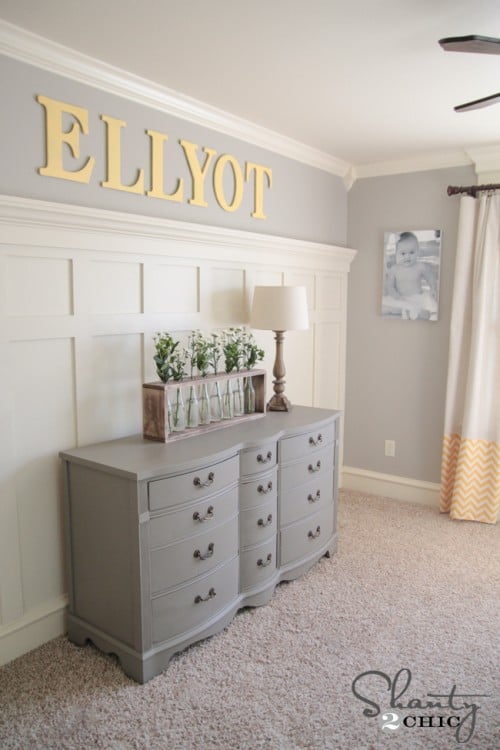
(178, 411)
(216, 403)
(170, 425)
(227, 400)
(249, 395)
(193, 413)
(238, 404)
(204, 404)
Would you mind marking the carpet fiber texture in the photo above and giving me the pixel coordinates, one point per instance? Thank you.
(409, 590)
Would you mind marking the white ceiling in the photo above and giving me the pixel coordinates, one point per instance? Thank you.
(364, 81)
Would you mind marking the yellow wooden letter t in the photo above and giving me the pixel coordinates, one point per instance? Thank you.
(260, 173)
(56, 137)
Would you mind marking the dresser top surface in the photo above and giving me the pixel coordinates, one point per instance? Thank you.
(136, 458)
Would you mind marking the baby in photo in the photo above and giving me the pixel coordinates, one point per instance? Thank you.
(411, 283)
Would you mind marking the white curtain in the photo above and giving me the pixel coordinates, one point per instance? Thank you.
(470, 468)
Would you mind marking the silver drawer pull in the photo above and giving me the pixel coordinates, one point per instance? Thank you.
(314, 498)
(211, 594)
(210, 480)
(264, 563)
(208, 553)
(318, 440)
(311, 469)
(264, 490)
(264, 460)
(314, 534)
(267, 522)
(207, 517)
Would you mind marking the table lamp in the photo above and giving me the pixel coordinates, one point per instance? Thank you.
(279, 309)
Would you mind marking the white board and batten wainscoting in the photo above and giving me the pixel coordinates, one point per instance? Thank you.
(83, 291)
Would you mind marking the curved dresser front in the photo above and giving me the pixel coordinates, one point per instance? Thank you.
(167, 541)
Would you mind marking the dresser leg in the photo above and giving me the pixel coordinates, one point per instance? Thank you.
(77, 635)
(332, 548)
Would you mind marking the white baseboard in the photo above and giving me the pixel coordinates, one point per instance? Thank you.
(38, 626)
(388, 485)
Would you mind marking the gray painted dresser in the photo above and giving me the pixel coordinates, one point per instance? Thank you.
(167, 541)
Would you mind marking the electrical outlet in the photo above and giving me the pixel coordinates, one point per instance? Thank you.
(390, 448)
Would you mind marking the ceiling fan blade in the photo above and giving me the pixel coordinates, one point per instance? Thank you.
(487, 45)
(478, 103)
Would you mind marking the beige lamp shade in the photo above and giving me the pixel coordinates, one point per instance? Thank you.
(279, 308)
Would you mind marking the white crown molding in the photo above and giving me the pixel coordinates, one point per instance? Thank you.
(35, 50)
(486, 161)
(422, 163)
(211, 240)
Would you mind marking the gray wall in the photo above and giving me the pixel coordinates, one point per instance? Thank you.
(396, 369)
(304, 202)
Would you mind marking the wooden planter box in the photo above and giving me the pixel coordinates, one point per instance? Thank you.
(155, 404)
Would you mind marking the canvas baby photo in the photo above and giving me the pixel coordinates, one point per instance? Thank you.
(411, 274)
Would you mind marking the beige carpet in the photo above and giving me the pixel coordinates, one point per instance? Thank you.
(408, 589)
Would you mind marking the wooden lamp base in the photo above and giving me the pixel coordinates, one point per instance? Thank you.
(279, 402)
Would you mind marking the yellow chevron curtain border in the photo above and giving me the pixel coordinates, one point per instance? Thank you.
(470, 479)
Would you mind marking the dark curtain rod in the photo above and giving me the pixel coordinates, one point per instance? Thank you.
(471, 190)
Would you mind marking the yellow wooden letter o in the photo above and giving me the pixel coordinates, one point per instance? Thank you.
(220, 165)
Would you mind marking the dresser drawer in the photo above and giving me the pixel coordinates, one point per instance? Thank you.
(258, 564)
(258, 459)
(163, 493)
(306, 469)
(307, 498)
(194, 556)
(259, 490)
(307, 443)
(194, 519)
(303, 538)
(258, 524)
(190, 606)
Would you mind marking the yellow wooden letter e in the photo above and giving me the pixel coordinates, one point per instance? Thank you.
(56, 137)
